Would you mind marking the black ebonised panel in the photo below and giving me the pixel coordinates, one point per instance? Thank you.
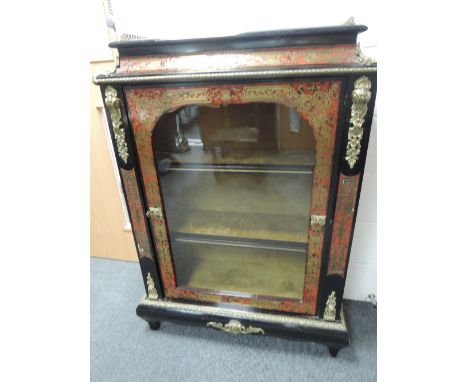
(334, 339)
(345, 34)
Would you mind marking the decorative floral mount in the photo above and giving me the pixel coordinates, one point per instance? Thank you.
(361, 96)
(330, 308)
(235, 327)
(113, 105)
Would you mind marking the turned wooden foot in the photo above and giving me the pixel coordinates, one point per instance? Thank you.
(333, 351)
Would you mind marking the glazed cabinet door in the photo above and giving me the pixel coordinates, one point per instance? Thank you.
(237, 180)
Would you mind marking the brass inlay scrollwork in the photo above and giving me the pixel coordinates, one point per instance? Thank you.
(136, 211)
(330, 308)
(235, 327)
(360, 97)
(113, 105)
(343, 223)
(152, 292)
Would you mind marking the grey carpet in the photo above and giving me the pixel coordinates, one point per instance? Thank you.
(123, 348)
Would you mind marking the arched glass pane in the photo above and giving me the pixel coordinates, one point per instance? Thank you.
(236, 183)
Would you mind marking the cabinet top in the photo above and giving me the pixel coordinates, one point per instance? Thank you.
(342, 34)
(270, 54)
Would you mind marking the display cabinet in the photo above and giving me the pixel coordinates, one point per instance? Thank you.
(241, 160)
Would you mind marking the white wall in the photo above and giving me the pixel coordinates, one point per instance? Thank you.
(201, 18)
(180, 19)
(362, 271)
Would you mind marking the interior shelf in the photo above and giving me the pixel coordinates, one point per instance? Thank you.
(240, 242)
(238, 157)
(239, 225)
(238, 193)
(240, 270)
(298, 170)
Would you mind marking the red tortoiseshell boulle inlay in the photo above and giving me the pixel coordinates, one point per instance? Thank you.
(136, 213)
(316, 101)
(343, 223)
(264, 58)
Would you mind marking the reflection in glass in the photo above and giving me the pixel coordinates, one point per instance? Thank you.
(236, 183)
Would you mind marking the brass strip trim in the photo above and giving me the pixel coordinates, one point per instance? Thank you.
(112, 78)
(259, 246)
(308, 322)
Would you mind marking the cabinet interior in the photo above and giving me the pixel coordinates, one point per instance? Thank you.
(236, 182)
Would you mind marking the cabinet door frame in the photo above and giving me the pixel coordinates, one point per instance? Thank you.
(317, 100)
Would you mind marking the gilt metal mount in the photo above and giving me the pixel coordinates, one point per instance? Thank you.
(235, 327)
(330, 308)
(113, 105)
(360, 97)
(152, 292)
(363, 59)
(317, 222)
(154, 211)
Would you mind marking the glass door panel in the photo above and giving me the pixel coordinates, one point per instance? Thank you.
(236, 183)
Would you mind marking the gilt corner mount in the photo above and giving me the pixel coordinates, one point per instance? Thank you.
(113, 104)
(360, 96)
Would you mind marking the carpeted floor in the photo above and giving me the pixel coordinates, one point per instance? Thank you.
(123, 348)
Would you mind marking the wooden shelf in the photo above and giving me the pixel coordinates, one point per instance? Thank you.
(246, 271)
(197, 155)
(238, 225)
(240, 242)
(237, 193)
(238, 205)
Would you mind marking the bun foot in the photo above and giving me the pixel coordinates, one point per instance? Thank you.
(154, 325)
(333, 351)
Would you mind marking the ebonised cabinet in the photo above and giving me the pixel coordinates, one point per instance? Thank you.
(241, 160)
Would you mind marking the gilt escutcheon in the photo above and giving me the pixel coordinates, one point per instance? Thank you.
(235, 327)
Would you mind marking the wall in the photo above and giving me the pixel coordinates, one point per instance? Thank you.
(110, 236)
(362, 271)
